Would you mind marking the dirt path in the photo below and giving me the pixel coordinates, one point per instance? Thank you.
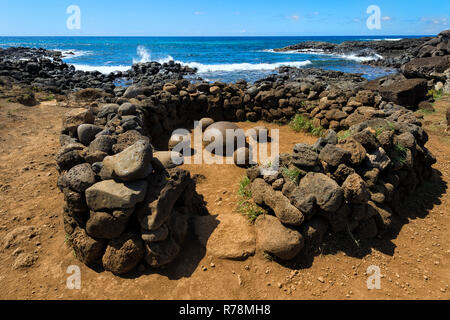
(416, 266)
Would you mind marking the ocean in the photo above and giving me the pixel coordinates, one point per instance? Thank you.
(217, 58)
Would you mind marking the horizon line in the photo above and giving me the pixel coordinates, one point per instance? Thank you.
(216, 36)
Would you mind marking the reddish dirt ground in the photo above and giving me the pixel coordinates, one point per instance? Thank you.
(414, 264)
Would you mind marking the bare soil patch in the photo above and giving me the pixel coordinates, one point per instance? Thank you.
(414, 264)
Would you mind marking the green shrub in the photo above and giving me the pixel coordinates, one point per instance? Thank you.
(250, 209)
(301, 123)
(382, 128)
(344, 135)
(399, 154)
(436, 94)
(245, 205)
(292, 174)
(244, 188)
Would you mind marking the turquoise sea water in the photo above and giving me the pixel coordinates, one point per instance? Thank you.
(216, 58)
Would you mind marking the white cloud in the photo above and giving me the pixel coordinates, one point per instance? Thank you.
(436, 21)
(199, 13)
(295, 17)
(386, 18)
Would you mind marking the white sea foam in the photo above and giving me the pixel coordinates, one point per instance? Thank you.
(69, 54)
(353, 57)
(144, 55)
(361, 59)
(203, 68)
(102, 69)
(385, 39)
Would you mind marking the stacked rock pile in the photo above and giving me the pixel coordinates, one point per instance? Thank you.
(123, 207)
(356, 184)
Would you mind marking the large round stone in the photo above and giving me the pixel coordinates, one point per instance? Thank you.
(122, 255)
(222, 136)
(274, 238)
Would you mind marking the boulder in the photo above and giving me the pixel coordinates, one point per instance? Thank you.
(334, 155)
(87, 133)
(131, 164)
(123, 254)
(425, 67)
(167, 160)
(357, 151)
(264, 194)
(78, 178)
(104, 225)
(355, 189)
(225, 141)
(27, 99)
(112, 195)
(127, 139)
(378, 159)
(88, 250)
(108, 109)
(214, 234)
(407, 92)
(330, 138)
(134, 91)
(158, 205)
(327, 193)
(365, 97)
(90, 94)
(158, 254)
(171, 88)
(127, 109)
(102, 144)
(76, 117)
(304, 156)
(274, 238)
(367, 139)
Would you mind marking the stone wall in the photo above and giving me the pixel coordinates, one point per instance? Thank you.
(357, 185)
(126, 204)
(123, 205)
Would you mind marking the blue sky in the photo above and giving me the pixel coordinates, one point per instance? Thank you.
(222, 17)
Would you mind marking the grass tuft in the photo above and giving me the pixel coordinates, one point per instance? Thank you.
(300, 123)
(357, 242)
(344, 135)
(436, 94)
(244, 188)
(399, 154)
(292, 174)
(245, 205)
(68, 240)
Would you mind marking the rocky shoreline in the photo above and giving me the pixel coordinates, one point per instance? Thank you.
(126, 204)
(383, 53)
